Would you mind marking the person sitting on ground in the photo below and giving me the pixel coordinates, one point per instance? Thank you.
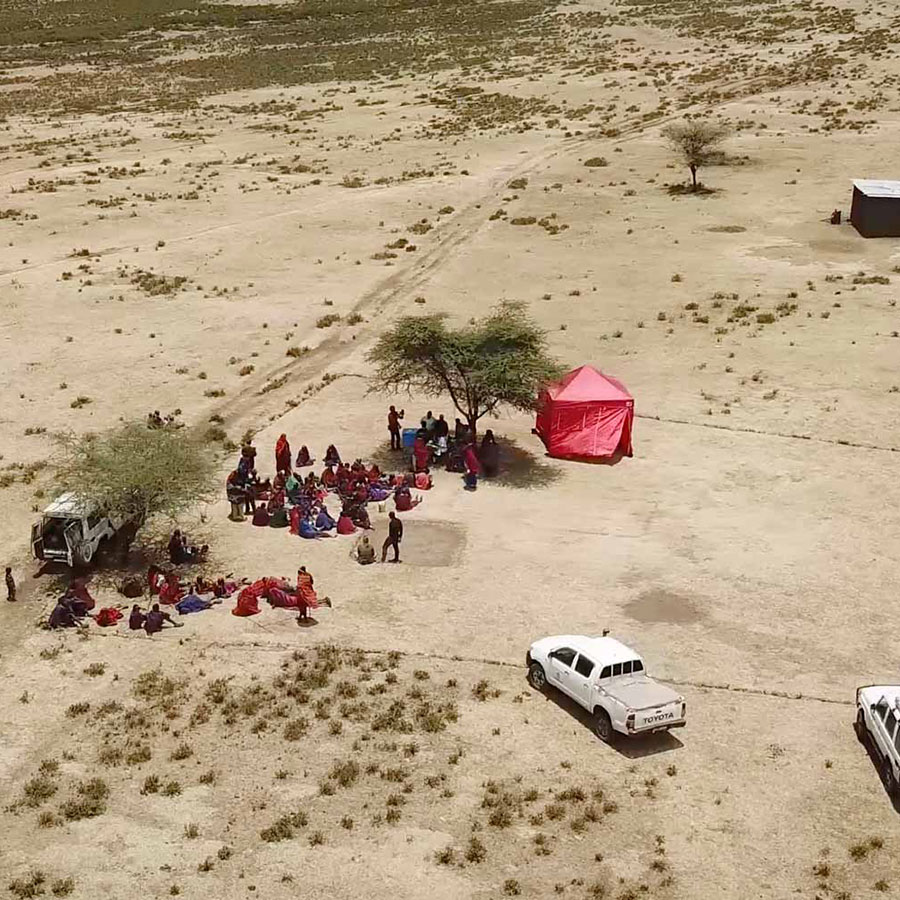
(62, 615)
(403, 499)
(136, 618)
(276, 501)
(80, 598)
(224, 588)
(423, 480)
(176, 548)
(329, 478)
(309, 530)
(345, 522)
(421, 455)
(303, 458)
(193, 602)
(359, 515)
(365, 552)
(488, 455)
(261, 516)
(154, 419)
(170, 592)
(332, 457)
(324, 522)
(156, 619)
(155, 578)
(283, 455)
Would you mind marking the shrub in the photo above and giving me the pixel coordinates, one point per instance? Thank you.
(32, 886)
(445, 857)
(511, 887)
(476, 852)
(191, 831)
(151, 785)
(518, 184)
(182, 751)
(171, 789)
(345, 773)
(37, 790)
(296, 729)
(765, 318)
(89, 802)
(328, 320)
(596, 162)
(80, 401)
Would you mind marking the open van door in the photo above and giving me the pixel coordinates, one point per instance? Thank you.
(37, 540)
(72, 534)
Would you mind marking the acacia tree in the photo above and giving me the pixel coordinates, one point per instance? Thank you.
(696, 142)
(136, 472)
(501, 359)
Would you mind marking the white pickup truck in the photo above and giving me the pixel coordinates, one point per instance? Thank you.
(608, 679)
(878, 724)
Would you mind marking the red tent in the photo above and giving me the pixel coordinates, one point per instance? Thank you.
(585, 415)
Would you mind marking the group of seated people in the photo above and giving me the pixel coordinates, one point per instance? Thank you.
(191, 596)
(300, 503)
(182, 551)
(73, 606)
(279, 592)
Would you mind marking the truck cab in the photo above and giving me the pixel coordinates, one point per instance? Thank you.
(70, 531)
(608, 679)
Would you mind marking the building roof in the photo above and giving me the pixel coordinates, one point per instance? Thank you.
(875, 188)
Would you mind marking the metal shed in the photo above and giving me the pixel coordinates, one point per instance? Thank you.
(875, 211)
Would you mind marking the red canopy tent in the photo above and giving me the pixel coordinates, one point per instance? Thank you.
(585, 415)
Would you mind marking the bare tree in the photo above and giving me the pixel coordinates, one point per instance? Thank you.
(697, 142)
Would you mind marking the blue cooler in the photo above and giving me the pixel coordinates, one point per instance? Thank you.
(409, 437)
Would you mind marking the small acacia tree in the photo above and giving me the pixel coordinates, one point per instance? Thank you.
(501, 359)
(136, 472)
(697, 143)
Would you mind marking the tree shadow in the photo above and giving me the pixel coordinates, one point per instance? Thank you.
(685, 189)
(522, 469)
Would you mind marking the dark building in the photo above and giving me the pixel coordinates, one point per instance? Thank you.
(875, 211)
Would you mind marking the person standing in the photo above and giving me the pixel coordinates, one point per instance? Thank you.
(395, 535)
(10, 585)
(394, 418)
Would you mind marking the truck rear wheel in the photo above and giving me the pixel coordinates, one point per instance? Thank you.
(603, 726)
(537, 677)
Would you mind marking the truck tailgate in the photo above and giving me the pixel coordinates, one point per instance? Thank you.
(654, 704)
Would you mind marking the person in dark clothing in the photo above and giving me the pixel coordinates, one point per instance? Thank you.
(62, 615)
(488, 454)
(395, 535)
(461, 431)
(136, 619)
(10, 585)
(156, 618)
(394, 418)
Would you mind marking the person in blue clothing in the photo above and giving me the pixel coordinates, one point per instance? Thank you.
(324, 522)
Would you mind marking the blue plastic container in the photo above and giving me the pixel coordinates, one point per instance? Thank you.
(409, 437)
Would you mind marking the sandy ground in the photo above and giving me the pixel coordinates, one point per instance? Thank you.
(749, 550)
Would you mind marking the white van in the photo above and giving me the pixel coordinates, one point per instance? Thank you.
(71, 530)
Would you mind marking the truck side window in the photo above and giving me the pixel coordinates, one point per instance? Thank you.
(890, 723)
(637, 666)
(617, 669)
(93, 521)
(897, 741)
(881, 708)
(565, 655)
(626, 668)
(606, 672)
(584, 666)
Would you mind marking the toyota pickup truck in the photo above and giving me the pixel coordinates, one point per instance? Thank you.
(609, 680)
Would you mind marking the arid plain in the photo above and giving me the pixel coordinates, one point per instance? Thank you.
(218, 208)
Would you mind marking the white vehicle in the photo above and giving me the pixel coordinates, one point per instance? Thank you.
(877, 717)
(609, 680)
(71, 530)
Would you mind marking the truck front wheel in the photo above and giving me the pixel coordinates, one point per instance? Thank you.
(603, 726)
(537, 677)
(861, 731)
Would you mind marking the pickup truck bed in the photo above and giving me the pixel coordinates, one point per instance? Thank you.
(642, 692)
